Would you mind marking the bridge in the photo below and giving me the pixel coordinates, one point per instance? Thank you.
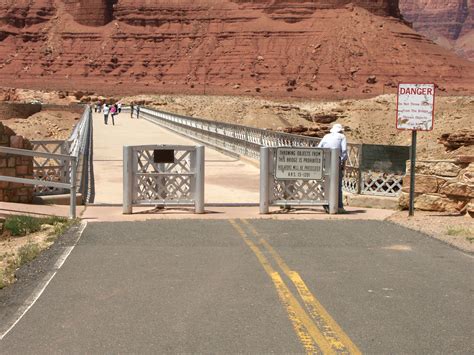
(230, 280)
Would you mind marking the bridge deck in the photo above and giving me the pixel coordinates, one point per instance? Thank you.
(228, 180)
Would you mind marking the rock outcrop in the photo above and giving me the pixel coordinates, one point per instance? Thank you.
(443, 186)
(455, 140)
(319, 48)
(450, 23)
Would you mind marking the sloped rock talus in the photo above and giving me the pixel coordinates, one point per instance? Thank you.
(319, 48)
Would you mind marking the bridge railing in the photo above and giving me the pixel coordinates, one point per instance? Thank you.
(79, 144)
(247, 141)
(61, 166)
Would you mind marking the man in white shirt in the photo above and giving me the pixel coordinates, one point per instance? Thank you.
(337, 140)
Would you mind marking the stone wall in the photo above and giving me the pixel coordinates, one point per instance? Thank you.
(15, 165)
(443, 186)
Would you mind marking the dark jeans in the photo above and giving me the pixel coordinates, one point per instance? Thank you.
(341, 176)
(106, 118)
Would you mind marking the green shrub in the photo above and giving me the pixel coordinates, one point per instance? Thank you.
(28, 253)
(23, 225)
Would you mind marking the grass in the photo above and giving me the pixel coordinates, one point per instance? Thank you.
(457, 231)
(20, 226)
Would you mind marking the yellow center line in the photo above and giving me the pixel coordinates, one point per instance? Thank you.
(304, 327)
(329, 327)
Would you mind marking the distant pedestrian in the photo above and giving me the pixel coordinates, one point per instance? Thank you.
(337, 140)
(106, 111)
(131, 110)
(99, 107)
(113, 112)
(119, 107)
(138, 111)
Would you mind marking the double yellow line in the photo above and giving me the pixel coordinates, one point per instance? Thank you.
(317, 331)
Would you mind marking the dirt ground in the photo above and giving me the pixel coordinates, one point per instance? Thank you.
(44, 125)
(456, 230)
(10, 247)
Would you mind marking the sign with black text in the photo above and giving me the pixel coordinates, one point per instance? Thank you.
(415, 106)
(299, 163)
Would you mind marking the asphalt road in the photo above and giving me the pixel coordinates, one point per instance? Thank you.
(253, 286)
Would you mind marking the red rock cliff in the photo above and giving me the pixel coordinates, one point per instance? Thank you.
(299, 48)
(449, 22)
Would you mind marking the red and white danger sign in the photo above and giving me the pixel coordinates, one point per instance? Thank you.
(415, 106)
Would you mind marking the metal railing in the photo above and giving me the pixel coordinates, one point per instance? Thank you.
(61, 185)
(178, 182)
(247, 141)
(79, 144)
(70, 169)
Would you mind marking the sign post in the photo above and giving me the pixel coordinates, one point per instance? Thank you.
(415, 112)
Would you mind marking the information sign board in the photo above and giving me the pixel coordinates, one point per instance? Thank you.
(299, 164)
(415, 106)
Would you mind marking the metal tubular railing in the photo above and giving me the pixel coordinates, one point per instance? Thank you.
(71, 170)
(79, 144)
(247, 141)
(71, 185)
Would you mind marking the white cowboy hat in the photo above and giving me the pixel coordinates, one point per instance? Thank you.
(337, 128)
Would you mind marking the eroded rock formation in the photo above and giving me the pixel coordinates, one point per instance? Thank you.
(325, 48)
(450, 23)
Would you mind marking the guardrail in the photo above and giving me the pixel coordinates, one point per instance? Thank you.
(71, 185)
(70, 169)
(79, 144)
(247, 141)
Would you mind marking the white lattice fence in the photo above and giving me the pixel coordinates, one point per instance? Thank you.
(172, 183)
(50, 169)
(383, 184)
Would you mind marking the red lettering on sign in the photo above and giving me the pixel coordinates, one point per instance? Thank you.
(416, 91)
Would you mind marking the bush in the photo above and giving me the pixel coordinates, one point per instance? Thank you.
(23, 225)
(28, 253)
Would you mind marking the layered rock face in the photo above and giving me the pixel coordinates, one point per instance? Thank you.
(449, 22)
(319, 48)
(91, 12)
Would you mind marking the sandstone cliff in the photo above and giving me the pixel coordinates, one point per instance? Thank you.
(319, 48)
(449, 23)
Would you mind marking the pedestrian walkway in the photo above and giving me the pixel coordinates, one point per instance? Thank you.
(228, 180)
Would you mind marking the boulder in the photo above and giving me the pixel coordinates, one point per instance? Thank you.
(423, 184)
(433, 202)
(455, 140)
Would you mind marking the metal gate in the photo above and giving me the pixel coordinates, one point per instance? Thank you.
(301, 188)
(163, 175)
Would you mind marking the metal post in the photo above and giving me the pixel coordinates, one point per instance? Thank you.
(411, 209)
(199, 198)
(72, 202)
(264, 188)
(359, 170)
(334, 181)
(127, 179)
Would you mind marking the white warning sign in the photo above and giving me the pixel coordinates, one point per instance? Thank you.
(299, 163)
(415, 106)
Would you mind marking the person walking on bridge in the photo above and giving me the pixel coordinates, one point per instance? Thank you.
(106, 113)
(335, 139)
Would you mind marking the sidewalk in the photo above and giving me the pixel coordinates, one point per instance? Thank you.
(93, 213)
(228, 180)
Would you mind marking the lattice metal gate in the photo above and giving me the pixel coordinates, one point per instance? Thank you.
(163, 175)
(299, 191)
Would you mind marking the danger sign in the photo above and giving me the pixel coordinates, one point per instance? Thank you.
(415, 106)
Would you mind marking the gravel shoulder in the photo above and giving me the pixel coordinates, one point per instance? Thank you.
(455, 230)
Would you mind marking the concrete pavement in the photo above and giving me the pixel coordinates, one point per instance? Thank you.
(255, 286)
(228, 180)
